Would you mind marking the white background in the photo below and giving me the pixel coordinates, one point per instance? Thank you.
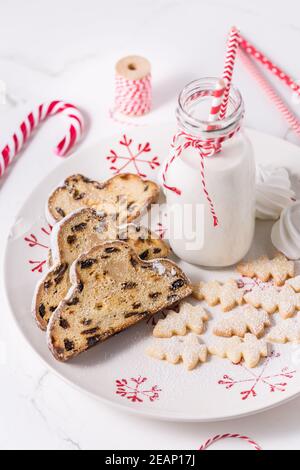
(67, 49)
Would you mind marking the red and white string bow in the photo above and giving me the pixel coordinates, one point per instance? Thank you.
(207, 148)
(33, 120)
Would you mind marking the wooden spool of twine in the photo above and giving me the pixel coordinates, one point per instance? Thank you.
(133, 89)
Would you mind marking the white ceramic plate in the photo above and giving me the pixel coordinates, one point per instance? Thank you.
(118, 371)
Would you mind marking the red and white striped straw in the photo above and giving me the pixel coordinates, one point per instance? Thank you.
(230, 57)
(32, 121)
(270, 92)
(266, 62)
(217, 101)
(219, 437)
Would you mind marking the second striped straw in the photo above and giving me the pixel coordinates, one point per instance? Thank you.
(217, 101)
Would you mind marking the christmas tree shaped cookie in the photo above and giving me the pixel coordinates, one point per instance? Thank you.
(248, 319)
(189, 350)
(235, 349)
(213, 292)
(286, 331)
(190, 317)
(279, 268)
(285, 300)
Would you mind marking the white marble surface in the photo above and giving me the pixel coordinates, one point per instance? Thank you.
(67, 49)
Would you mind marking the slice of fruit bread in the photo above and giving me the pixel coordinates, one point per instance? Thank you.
(112, 290)
(77, 234)
(125, 196)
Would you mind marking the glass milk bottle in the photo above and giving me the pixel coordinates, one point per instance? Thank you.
(209, 180)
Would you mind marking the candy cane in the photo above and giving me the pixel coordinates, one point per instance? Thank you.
(219, 437)
(32, 121)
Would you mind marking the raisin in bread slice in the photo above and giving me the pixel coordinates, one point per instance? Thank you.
(75, 235)
(112, 289)
(126, 196)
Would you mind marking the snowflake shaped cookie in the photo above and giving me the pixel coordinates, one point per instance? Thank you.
(278, 268)
(213, 292)
(188, 350)
(286, 331)
(235, 349)
(249, 319)
(286, 300)
(189, 318)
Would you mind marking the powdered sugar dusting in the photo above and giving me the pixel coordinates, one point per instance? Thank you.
(173, 350)
(101, 226)
(213, 292)
(278, 268)
(159, 268)
(286, 331)
(248, 319)
(286, 300)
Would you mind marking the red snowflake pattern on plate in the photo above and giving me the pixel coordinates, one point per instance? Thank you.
(37, 265)
(273, 382)
(34, 241)
(134, 158)
(134, 389)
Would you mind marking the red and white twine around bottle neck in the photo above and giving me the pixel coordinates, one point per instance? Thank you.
(207, 148)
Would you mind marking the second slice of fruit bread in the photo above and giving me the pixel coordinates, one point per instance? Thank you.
(126, 196)
(112, 289)
(75, 235)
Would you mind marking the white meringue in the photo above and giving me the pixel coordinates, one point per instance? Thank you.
(286, 232)
(273, 192)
